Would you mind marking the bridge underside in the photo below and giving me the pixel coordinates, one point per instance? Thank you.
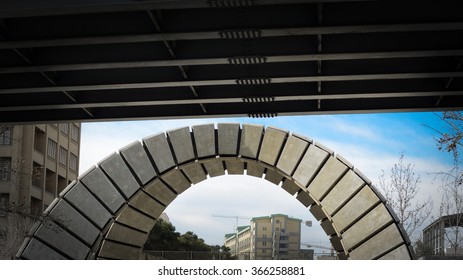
(125, 59)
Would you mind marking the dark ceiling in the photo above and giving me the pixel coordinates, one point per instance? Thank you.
(82, 60)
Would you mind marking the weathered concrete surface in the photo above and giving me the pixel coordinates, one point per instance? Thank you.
(182, 144)
(138, 160)
(123, 234)
(291, 155)
(67, 216)
(309, 165)
(160, 152)
(344, 189)
(161, 192)
(272, 144)
(120, 174)
(204, 140)
(228, 138)
(87, 204)
(251, 136)
(100, 186)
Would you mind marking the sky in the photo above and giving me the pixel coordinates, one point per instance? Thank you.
(371, 142)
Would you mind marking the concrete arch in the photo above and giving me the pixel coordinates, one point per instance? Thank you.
(109, 211)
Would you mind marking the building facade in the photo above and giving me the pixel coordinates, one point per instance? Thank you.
(275, 237)
(36, 163)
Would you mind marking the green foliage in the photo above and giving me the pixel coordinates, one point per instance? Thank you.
(164, 237)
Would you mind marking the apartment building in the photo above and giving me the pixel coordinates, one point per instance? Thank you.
(36, 163)
(270, 237)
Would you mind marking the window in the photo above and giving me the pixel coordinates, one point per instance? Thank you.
(52, 146)
(5, 135)
(64, 128)
(264, 251)
(75, 132)
(73, 162)
(264, 229)
(63, 156)
(5, 168)
(264, 243)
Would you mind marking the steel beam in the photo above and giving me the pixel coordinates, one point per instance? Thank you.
(302, 79)
(234, 34)
(226, 60)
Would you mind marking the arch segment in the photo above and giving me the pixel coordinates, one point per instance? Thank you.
(109, 211)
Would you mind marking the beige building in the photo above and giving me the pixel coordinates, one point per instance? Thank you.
(36, 163)
(270, 237)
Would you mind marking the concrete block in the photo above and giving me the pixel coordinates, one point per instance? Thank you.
(273, 177)
(336, 243)
(36, 250)
(182, 144)
(305, 198)
(160, 152)
(147, 205)
(291, 155)
(135, 219)
(254, 169)
(68, 217)
(400, 253)
(317, 212)
(330, 173)
(176, 180)
(251, 136)
(290, 187)
(97, 182)
(112, 250)
(195, 172)
(369, 224)
(327, 226)
(214, 167)
(83, 200)
(234, 166)
(379, 244)
(311, 162)
(120, 174)
(160, 191)
(344, 190)
(272, 144)
(137, 158)
(204, 140)
(228, 134)
(61, 240)
(355, 208)
(123, 234)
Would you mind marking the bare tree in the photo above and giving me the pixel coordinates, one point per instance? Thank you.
(451, 207)
(450, 139)
(400, 191)
(17, 224)
(18, 217)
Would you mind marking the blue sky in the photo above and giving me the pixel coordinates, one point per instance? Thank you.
(372, 142)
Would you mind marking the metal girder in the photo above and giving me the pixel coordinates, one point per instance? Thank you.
(230, 60)
(28, 8)
(246, 81)
(220, 100)
(231, 34)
